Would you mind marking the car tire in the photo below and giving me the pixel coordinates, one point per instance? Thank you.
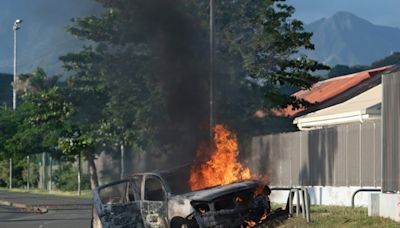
(179, 222)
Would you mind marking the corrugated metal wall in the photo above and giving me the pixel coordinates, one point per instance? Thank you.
(348, 155)
(391, 128)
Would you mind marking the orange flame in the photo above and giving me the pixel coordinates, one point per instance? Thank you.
(251, 223)
(223, 167)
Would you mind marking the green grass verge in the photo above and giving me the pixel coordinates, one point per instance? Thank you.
(335, 216)
(87, 194)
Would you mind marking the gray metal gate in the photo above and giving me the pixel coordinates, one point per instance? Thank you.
(391, 128)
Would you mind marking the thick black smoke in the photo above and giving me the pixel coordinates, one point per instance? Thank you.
(180, 44)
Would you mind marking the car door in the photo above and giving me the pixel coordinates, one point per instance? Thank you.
(118, 204)
(154, 202)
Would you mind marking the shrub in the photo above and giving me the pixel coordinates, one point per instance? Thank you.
(66, 178)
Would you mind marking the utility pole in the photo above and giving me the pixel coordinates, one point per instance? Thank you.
(16, 26)
(122, 174)
(79, 174)
(50, 173)
(10, 184)
(27, 173)
(44, 172)
(211, 77)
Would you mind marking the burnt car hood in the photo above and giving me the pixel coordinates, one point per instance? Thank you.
(210, 194)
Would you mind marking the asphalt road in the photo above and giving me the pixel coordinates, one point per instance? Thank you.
(62, 211)
(49, 201)
(57, 218)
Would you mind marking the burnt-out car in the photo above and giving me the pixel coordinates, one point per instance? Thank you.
(146, 200)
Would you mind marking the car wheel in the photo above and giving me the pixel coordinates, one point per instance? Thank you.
(179, 222)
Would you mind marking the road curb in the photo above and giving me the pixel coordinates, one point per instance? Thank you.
(69, 206)
(25, 207)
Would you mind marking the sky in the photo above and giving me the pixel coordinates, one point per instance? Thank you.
(379, 12)
(42, 37)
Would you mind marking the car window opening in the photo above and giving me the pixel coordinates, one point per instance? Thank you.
(154, 190)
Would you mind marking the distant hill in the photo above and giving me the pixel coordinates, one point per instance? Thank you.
(340, 70)
(340, 39)
(350, 40)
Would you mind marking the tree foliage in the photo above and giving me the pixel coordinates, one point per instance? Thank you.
(258, 60)
(143, 80)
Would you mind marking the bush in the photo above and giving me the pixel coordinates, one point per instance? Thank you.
(19, 173)
(33, 174)
(66, 178)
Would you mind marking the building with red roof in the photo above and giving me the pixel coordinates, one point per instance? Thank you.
(336, 90)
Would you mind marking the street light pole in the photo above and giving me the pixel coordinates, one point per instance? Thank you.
(17, 25)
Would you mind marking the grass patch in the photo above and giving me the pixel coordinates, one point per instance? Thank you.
(86, 194)
(335, 216)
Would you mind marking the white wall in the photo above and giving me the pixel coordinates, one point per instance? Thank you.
(322, 195)
(389, 206)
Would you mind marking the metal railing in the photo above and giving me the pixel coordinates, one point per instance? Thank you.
(362, 190)
(302, 201)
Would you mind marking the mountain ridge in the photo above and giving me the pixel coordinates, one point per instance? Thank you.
(345, 38)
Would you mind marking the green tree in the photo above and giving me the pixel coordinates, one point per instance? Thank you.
(42, 114)
(37, 123)
(144, 79)
(258, 60)
(136, 69)
(8, 128)
(63, 119)
(87, 93)
(112, 102)
(64, 178)
(146, 72)
(6, 89)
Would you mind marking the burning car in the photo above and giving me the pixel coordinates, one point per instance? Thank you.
(147, 200)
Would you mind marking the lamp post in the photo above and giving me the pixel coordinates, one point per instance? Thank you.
(17, 25)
